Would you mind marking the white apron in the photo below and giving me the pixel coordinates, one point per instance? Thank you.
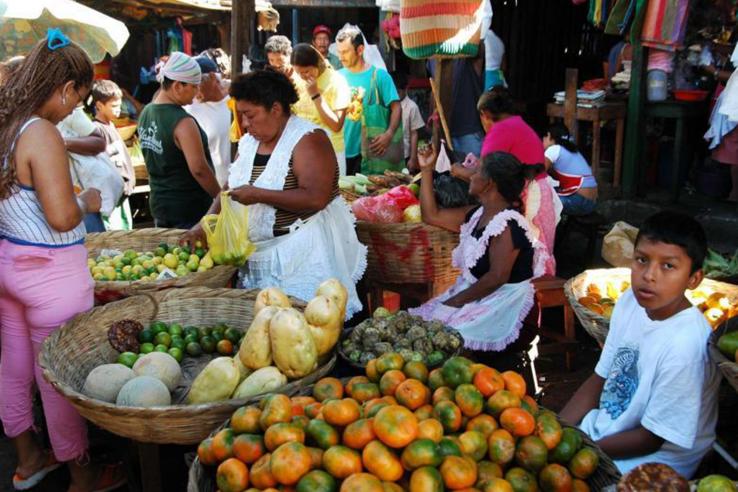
(321, 247)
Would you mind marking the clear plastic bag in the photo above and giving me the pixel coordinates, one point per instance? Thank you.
(228, 233)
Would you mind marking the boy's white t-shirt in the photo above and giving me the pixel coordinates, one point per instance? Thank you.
(411, 121)
(658, 374)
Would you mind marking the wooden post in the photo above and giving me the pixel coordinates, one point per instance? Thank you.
(634, 130)
(570, 103)
(242, 20)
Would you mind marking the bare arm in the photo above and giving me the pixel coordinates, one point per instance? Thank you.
(586, 398)
(412, 163)
(502, 255)
(628, 444)
(92, 144)
(446, 218)
(381, 142)
(187, 138)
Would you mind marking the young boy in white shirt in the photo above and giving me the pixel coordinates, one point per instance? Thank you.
(412, 121)
(653, 395)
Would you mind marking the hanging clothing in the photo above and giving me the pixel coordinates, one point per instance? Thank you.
(665, 24)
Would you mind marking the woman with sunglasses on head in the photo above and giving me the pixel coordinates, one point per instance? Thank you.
(175, 148)
(44, 280)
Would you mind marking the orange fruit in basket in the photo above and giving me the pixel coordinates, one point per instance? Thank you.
(281, 433)
(299, 403)
(486, 470)
(363, 392)
(443, 393)
(316, 481)
(496, 485)
(328, 389)
(313, 410)
(261, 473)
(382, 461)
(341, 461)
(248, 448)
(488, 381)
(514, 383)
(449, 414)
(486, 424)
(341, 412)
(205, 452)
(232, 476)
(521, 480)
(531, 453)
(473, 444)
(424, 412)
(435, 379)
(529, 404)
(500, 401)
(426, 479)
(396, 426)
(579, 485)
(390, 360)
(469, 400)
(246, 420)
(584, 463)
(555, 478)
(373, 406)
(371, 371)
(392, 487)
(412, 394)
(223, 445)
(420, 453)
(354, 380)
(277, 408)
(390, 380)
(415, 369)
(290, 462)
(430, 429)
(316, 458)
(321, 434)
(358, 434)
(458, 472)
(362, 482)
(501, 447)
(300, 421)
(549, 430)
(517, 421)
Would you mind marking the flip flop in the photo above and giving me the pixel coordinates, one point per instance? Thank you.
(111, 478)
(24, 483)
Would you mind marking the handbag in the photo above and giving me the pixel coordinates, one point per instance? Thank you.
(375, 120)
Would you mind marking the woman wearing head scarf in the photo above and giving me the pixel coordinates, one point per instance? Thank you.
(175, 148)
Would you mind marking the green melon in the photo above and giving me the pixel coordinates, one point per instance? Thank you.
(161, 366)
(105, 381)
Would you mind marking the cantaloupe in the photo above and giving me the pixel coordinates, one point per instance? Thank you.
(144, 391)
(161, 366)
(105, 381)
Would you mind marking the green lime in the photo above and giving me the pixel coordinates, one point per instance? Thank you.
(191, 338)
(176, 353)
(176, 329)
(191, 330)
(186, 249)
(200, 252)
(194, 349)
(146, 335)
(158, 327)
(208, 344)
(147, 348)
(163, 338)
(164, 246)
(232, 334)
(178, 342)
(161, 348)
(183, 256)
(127, 359)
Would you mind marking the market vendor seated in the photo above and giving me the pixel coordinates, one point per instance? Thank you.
(497, 254)
(286, 171)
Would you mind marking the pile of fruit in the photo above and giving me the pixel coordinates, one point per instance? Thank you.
(601, 299)
(728, 345)
(130, 265)
(401, 427)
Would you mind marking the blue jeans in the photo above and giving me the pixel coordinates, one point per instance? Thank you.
(577, 205)
(468, 144)
(94, 223)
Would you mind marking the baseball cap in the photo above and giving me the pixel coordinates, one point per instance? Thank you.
(206, 64)
(322, 28)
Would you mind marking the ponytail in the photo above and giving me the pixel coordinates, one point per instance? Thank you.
(509, 175)
(559, 133)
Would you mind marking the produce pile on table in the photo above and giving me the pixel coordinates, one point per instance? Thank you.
(728, 345)
(393, 198)
(717, 266)
(282, 343)
(411, 336)
(401, 428)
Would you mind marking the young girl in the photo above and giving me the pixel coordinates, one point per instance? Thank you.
(577, 186)
(43, 262)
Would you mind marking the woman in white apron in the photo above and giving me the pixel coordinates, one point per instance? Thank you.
(286, 172)
(498, 255)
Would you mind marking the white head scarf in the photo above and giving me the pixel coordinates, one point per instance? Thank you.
(182, 68)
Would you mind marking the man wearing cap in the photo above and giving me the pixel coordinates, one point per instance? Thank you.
(210, 109)
(175, 148)
(322, 41)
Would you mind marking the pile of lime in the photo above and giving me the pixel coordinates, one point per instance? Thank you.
(179, 341)
(132, 265)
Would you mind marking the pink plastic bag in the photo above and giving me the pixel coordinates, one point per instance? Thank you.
(365, 209)
(402, 196)
(380, 209)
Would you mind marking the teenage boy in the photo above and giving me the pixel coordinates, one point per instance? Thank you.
(653, 396)
(412, 121)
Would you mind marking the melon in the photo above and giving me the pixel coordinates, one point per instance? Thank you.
(161, 366)
(144, 391)
(105, 381)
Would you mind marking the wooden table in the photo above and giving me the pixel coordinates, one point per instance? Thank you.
(609, 111)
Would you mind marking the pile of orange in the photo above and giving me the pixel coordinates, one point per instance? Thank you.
(463, 426)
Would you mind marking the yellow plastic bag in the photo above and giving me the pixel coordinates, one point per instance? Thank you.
(228, 233)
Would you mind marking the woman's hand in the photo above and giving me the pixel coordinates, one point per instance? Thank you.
(311, 85)
(427, 157)
(246, 194)
(193, 236)
(92, 200)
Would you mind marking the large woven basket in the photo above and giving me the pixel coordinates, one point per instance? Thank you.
(408, 253)
(443, 29)
(146, 240)
(597, 325)
(728, 367)
(79, 346)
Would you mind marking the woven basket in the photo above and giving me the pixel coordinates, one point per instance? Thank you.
(71, 352)
(728, 367)
(146, 240)
(349, 196)
(597, 325)
(408, 254)
(442, 29)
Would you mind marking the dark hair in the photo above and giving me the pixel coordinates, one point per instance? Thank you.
(679, 229)
(305, 55)
(560, 135)
(264, 87)
(278, 44)
(353, 33)
(496, 101)
(105, 90)
(508, 174)
(166, 83)
(400, 80)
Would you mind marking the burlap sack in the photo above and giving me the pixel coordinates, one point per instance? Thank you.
(618, 244)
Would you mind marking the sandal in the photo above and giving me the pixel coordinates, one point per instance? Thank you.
(24, 483)
(111, 478)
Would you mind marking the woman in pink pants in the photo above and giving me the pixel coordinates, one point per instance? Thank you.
(43, 262)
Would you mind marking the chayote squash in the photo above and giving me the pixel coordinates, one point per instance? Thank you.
(271, 296)
(243, 371)
(293, 348)
(324, 319)
(260, 381)
(216, 382)
(334, 289)
(256, 349)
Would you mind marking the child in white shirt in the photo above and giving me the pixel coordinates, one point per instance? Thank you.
(653, 396)
(412, 121)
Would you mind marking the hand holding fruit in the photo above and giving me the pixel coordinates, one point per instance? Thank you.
(91, 199)
(427, 157)
(194, 236)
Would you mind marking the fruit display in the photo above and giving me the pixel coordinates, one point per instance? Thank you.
(376, 184)
(415, 339)
(716, 483)
(728, 345)
(652, 476)
(718, 266)
(401, 427)
(398, 204)
(601, 298)
(164, 262)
